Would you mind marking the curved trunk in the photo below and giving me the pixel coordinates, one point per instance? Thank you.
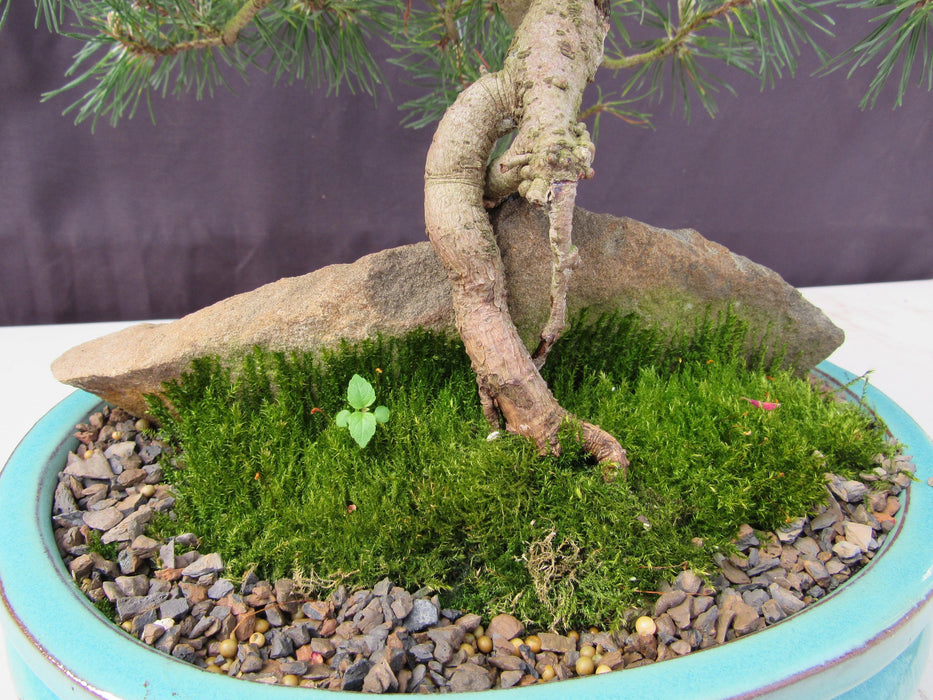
(554, 54)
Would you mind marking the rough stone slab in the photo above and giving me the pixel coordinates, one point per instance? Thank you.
(667, 277)
(848, 490)
(551, 641)
(859, 535)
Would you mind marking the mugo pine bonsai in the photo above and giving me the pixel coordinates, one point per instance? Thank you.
(506, 79)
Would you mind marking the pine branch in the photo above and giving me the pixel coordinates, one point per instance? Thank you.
(759, 37)
(445, 47)
(901, 37)
(677, 37)
(134, 48)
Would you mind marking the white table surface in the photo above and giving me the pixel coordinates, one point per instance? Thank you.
(889, 330)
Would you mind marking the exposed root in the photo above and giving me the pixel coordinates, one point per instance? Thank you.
(564, 257)
(555, 53)
(606, 450)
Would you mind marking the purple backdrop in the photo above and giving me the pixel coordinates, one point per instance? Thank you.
(223, 195)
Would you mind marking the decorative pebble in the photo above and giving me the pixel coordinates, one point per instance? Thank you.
(96, 466)
(847, 489)
(645, 626)
(104, 519)
(205, 564)
(423, 614)
(504, 626)
(859, 535)
(847, 552)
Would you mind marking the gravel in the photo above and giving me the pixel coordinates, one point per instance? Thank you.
(388, 639)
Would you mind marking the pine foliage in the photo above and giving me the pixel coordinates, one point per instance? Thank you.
(671, 49)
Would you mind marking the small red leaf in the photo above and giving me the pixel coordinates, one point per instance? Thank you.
(765, 405)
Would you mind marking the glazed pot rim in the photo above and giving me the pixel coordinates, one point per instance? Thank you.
(36, 587)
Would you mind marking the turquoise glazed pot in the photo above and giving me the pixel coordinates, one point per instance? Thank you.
(868, 639)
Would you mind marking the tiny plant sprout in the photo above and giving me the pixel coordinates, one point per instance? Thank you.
(361, 422)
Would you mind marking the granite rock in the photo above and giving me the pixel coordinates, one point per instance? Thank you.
(667, 277)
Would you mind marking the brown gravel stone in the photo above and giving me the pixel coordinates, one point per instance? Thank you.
(746, 619)
(470, 677)
(733, 573)
(556, 642)
(508, 679)
(680, 614)
(668, 600)
(103, 519)
(506, 626)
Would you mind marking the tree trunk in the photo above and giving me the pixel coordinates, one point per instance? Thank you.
(554, 54)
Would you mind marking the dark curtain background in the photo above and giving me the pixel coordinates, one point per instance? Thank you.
(223, 195)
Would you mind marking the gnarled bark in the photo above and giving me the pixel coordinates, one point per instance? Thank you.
(554, 54)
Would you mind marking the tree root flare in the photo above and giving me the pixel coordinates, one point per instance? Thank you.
(606, 450)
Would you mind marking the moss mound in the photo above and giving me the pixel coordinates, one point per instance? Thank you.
(269, 480)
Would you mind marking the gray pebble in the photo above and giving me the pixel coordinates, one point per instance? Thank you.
(848, 490)
(688, 582)
(280, 646)
(355, 675)
(847, 551)
(168, 640)
(94, 467)
(788, 601)
(206, 564)
(789, 532)
(470, 677)
(131, 606)
(103, 519)
(251, 663)
(64, 500)
(130, 527)
(423, 614)
(772, 612)
(185, 652)
(174, 608)
(150, 453)
(220, 588)
(668, 600)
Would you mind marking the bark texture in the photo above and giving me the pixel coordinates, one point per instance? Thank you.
(555, 52)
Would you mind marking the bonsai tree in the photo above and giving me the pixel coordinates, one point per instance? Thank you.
(506, 80)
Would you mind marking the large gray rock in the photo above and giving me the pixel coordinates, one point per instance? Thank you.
(668, 277)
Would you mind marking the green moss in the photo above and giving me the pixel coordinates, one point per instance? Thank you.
(107, 551)
(107, 609)
(269, 483)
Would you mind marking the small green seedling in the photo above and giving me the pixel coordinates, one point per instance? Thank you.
(362, 421)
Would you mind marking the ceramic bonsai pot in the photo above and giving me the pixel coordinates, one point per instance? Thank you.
(868, 639)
